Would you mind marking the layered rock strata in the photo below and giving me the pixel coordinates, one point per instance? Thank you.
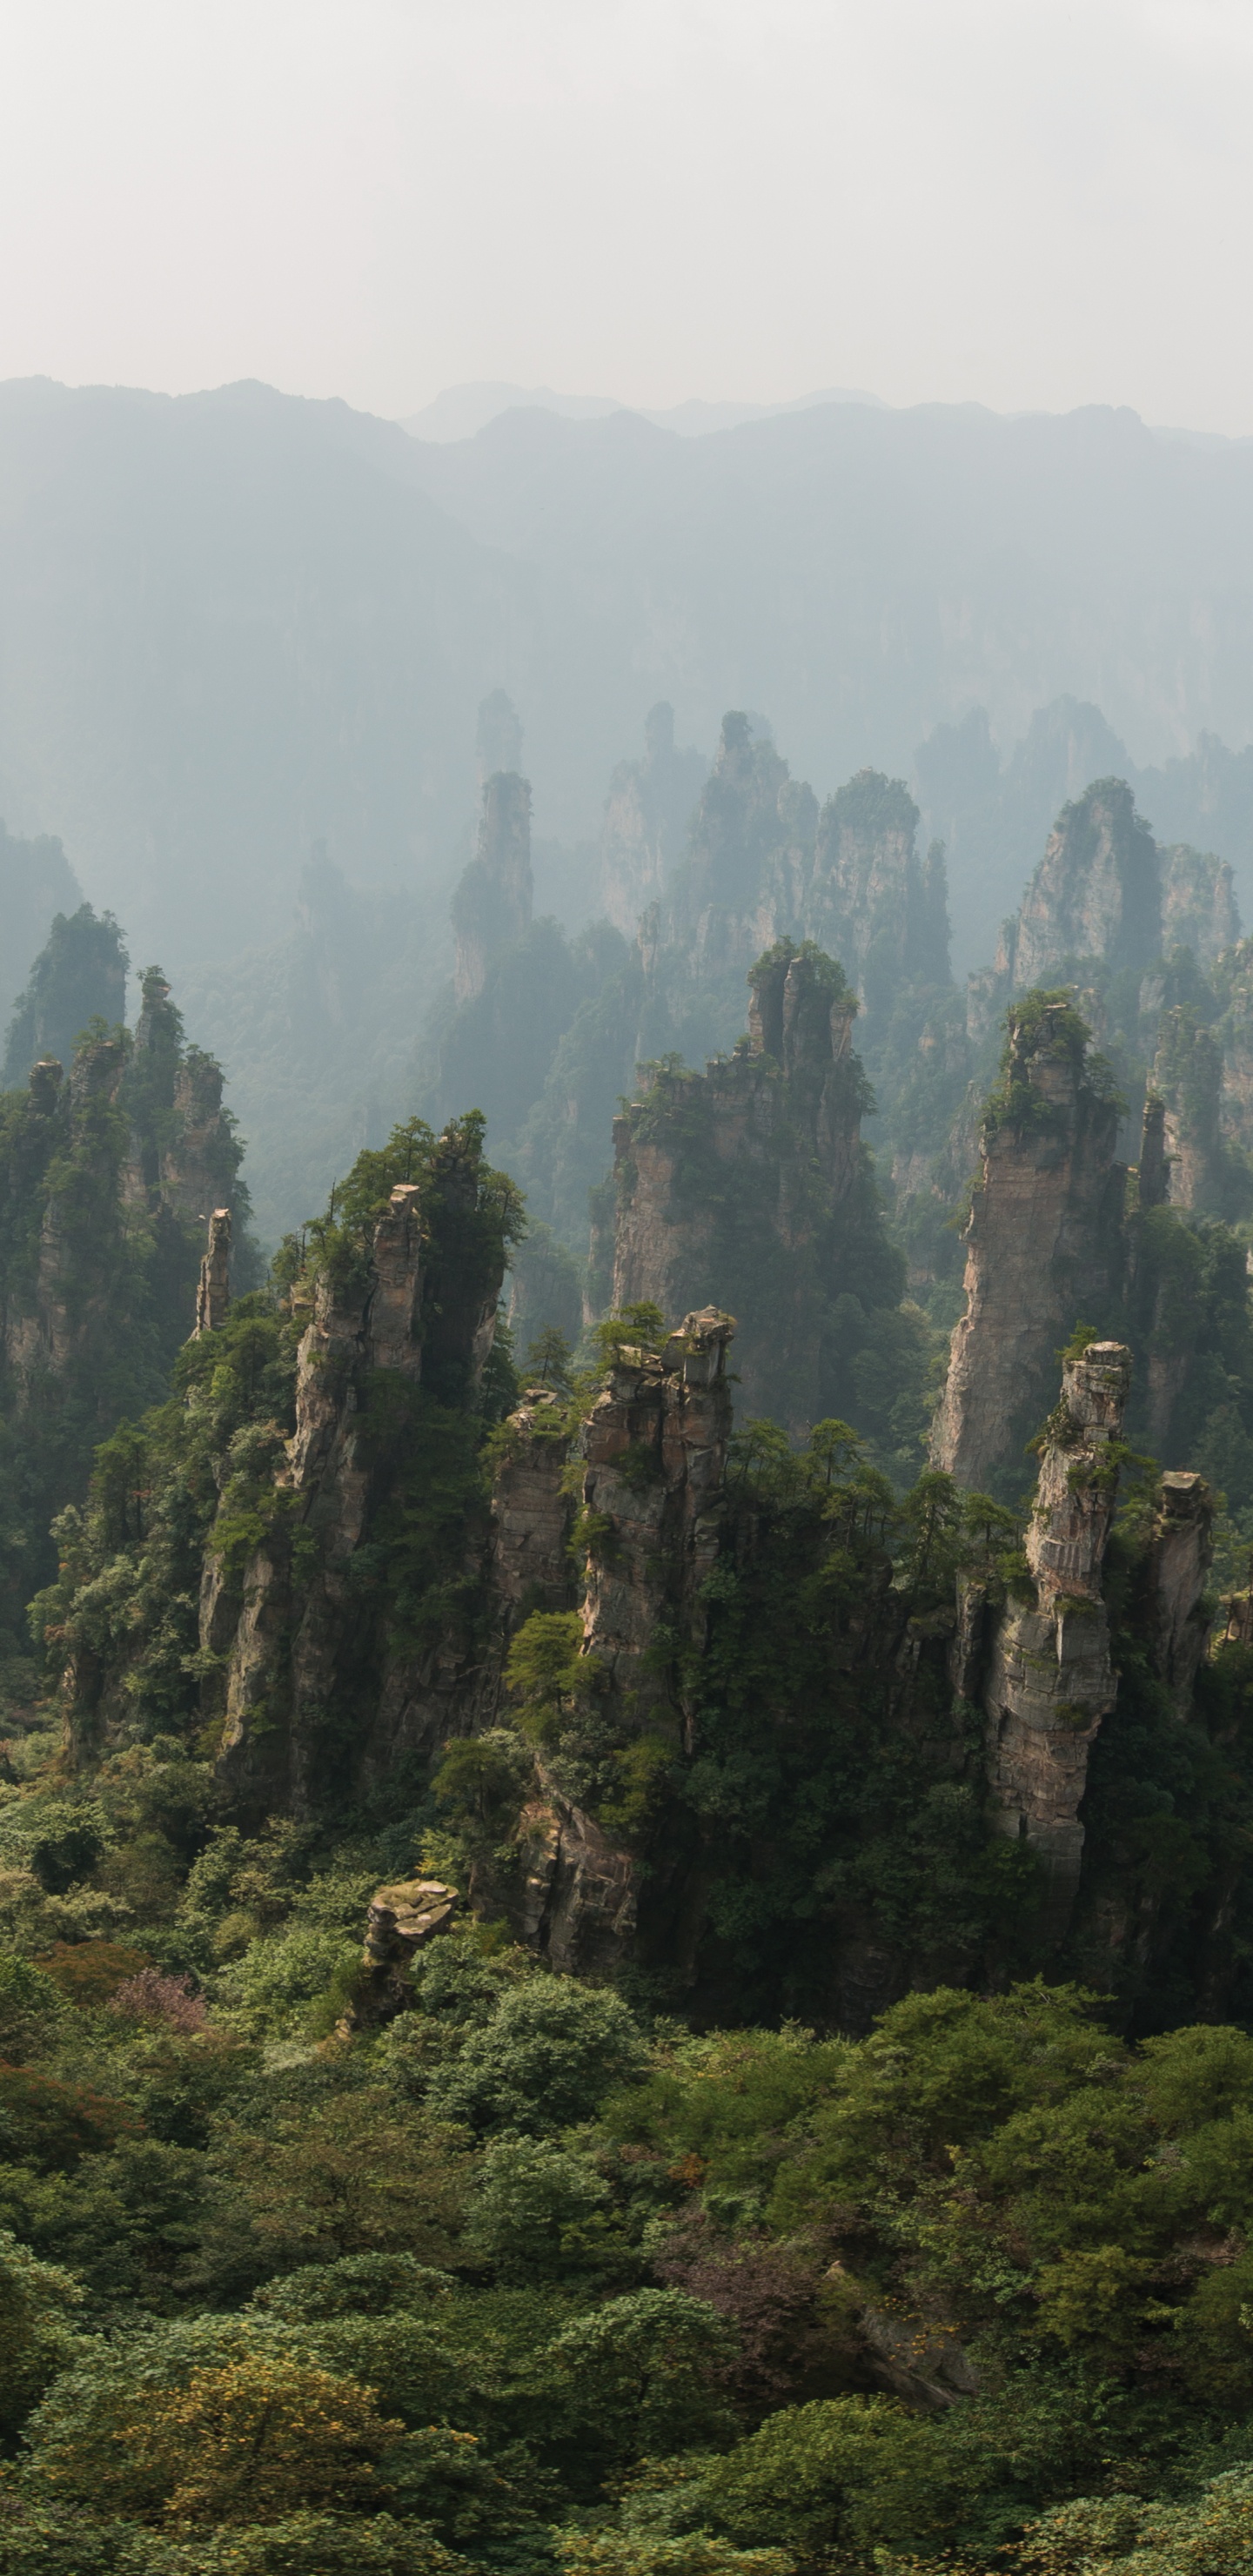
(1044, 1246)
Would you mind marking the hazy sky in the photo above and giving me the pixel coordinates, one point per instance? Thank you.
(1030, 203)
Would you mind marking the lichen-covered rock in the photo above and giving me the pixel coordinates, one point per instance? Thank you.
(400, 1920)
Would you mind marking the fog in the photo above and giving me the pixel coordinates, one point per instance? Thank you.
(1021, 202)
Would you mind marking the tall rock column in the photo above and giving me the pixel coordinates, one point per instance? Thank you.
(1187, 1078)
(492, 904)
(1050, 1680)
(654, 1449)
(1044, 1242)
(213, 1295)
(1181, 1557)
(307, 1649)
(744, 1180)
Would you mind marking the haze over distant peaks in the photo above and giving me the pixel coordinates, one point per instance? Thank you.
(461, 411)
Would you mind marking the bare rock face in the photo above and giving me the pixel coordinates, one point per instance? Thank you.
(1050, 1680)
(580, 1892)
(735, 1178)
(1096, 893)
(1187, 1078)
(1043, 1243)
(213, 1295)
(493, 902)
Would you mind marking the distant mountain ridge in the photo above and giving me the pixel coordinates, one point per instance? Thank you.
(461, 411)
(237, 623)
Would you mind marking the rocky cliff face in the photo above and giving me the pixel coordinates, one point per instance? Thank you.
(1187, 1078)
(213, 1292)
(309, 1686)
(871, 903)
(1041, 1666)
(649, 807)
(1050, 1679)
(1096, 893)
(1199, 909)
(739, 1176)
(1044, 1246)
(493, 902)
(654, 1451)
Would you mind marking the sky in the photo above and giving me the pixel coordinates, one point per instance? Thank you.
(1032, 204)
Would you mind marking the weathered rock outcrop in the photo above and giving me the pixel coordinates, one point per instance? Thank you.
(400, 1921)
(735, 1179)
(493, 902)
(1050, 1680)
(213, 1295)
(1044, 1244)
